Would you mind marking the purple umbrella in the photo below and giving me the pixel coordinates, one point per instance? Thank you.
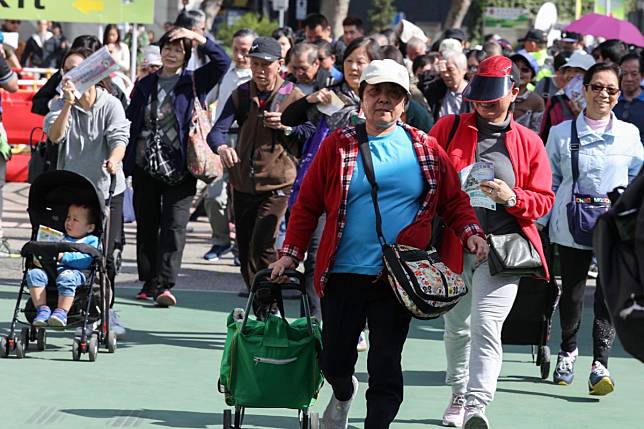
(607, 27)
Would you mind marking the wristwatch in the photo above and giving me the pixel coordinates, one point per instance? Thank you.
(288, 131)
(512, 201)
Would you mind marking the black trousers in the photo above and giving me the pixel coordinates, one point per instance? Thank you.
(348, 301)
(574, 270)
(115, 239)
(162, 212)
(257, 218)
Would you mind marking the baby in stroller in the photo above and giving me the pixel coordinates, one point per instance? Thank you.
(80, 223)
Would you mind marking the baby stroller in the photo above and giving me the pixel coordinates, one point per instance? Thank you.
(49, 198)
(530, 320)
(269, 362)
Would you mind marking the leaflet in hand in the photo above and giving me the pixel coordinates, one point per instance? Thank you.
(334, 106)
(575, 90)
(46, 233)
(91, 71)
(471, 178)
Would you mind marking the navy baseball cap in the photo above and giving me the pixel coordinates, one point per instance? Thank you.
(536, 35)
(266, 48)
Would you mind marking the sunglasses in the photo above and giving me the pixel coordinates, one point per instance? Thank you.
(597, 89)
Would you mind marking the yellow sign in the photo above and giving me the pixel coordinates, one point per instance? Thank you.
(93, 11)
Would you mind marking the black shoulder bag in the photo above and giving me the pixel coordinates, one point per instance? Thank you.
(425, 286)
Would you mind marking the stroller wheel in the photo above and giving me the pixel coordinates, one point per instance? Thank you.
(4, 347)
(24, 338)
(41, 339)
(33, 334)
(21, 350)
(76, 352)
(93, 348)
(545, 362)
(228, 419)
(110, 341)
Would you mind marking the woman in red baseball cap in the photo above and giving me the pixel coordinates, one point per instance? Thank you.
(519, 194)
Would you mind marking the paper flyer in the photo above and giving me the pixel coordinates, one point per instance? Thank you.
(575, 90)
(471, 177)
(334, 106)
(92, 70)
(48, 234)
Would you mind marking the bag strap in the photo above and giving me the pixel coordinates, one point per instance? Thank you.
(194, 92)
(363, 139)
(154, 105)
(574, 154)
(457, 121)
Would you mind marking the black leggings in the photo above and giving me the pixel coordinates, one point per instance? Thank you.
(348, 301)
(574, 270)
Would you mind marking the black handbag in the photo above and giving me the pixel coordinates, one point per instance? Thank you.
(44, 154)
(513, 254)
(425, 286)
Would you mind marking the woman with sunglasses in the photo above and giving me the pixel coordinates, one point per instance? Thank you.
(610, 154)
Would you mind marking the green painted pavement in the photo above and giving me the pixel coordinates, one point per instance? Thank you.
(164, 374)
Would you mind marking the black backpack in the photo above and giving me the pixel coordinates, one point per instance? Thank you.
(619, 246)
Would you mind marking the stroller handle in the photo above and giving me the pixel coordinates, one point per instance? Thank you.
(263, 280)
(112, 185)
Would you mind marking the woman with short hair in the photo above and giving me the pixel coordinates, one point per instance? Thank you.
(415, 183)
(609, 155)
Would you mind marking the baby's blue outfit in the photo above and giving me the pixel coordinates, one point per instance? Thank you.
(69, 269)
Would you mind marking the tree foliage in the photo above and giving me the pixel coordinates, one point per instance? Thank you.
(381, 14)
(262, 25)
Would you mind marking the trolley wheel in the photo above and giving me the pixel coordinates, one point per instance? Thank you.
(545, 362)
(76, 349)
(24, 338)
(41, 339)
(92, 351)
(110, 340)
(228, 419)
(239, 417)
(4, 347)
(315, 421)
(304, 421)
(20, 349)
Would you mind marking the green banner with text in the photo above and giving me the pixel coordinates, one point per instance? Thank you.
(93, 11)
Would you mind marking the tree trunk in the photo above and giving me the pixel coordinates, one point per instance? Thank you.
(457, 13)
(335, 11)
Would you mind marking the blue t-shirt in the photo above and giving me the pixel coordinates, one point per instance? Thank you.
(78, 260)
(400, 185)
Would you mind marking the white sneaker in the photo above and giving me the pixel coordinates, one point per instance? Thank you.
(336, 414)
(116, 325)
(455, 411)
(475, 417)
(362, 342)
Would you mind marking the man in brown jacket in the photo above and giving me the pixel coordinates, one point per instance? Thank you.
(262, 166)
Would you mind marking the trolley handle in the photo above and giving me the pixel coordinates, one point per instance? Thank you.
(263, 280)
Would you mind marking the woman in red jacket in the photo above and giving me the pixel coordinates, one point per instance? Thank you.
(520, 193)
(415, 182)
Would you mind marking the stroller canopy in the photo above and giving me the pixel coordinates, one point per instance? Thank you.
(51, 194)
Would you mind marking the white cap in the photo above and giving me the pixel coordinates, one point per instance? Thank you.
(382, 71)
(152, 56)
(580, 60)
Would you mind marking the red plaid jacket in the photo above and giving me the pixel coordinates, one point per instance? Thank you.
(326, 188)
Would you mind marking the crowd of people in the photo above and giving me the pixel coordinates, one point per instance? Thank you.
(559, 125)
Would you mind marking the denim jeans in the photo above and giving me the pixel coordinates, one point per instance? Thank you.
(66, 282)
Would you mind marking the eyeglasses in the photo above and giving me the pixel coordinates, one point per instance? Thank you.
(597, 89)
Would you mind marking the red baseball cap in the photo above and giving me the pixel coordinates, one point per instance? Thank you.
(494, 80)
